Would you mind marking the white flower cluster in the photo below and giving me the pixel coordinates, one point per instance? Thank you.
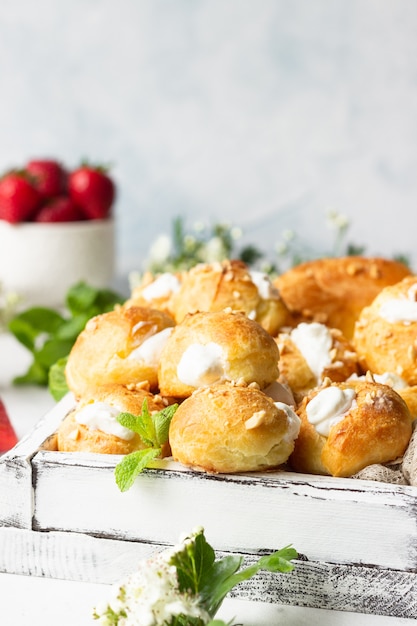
(150, 597)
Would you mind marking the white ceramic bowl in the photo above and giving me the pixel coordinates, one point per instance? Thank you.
(41, 261)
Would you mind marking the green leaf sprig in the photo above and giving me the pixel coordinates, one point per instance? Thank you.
(49, 334)
(153, 429)
(201, 574)
(185, 585)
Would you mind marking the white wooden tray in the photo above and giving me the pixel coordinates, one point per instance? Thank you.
(62, 516)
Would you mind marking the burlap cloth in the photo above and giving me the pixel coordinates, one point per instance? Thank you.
(401, 472)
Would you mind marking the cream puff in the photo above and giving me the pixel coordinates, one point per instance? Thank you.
(348, 426)
(92, 425)
(334, 291)
(121, 347)
(156, 291)
(385, 336)
(231, 284)
(311, 352)
(228, 428)
(210, 347)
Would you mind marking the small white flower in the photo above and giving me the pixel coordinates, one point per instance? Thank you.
(213, 250)
(337, 220)
(160, 249)
(151, 596)
(236, 233)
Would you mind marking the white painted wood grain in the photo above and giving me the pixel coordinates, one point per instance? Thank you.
(320, 516)
(78, 557)
(62, 516)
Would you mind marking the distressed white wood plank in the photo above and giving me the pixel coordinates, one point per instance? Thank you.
(16, 504)
(64, 610)
(70, 556)
(75, 556)
(322, 520)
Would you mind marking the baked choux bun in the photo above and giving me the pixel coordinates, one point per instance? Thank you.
(385, 336)
(121, 347)
(334, 291)
(348, 426)
(210, 347)
(92, 425)
(227, 428)
(155, 291)
(231, 284)
(407, 392)
(311, 352)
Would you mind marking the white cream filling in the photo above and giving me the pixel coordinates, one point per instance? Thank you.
(263, 284)
(329, 407)
(163, 286)
(202, 365)
(388, 378)
(149, 352)
(314, 341)
(400, 310)
(102, 416)
(294, 422)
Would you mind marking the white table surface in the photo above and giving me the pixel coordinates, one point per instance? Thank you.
(32, 601)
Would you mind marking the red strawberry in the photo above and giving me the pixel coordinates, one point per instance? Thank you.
(49, 177)
(18, 197)
(93, 190)
(60, 209)
(8, 436)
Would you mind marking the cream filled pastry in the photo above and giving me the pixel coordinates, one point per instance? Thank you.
(122, 347)
(210, 347)
(93, 427)
(347, 426)
(311, 352)
(334, 291)
(385, 335)
(231, 284)
(230, 428)
(156, 291)
(407, 392)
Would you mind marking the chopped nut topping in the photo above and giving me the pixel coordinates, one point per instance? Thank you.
(375, 272)
(412, 352)
(256, 420)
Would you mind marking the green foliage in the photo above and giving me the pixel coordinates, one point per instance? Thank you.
(49, 335)
(201, 574)
(153, 429)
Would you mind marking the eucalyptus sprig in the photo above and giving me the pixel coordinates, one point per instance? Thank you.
(153, 429)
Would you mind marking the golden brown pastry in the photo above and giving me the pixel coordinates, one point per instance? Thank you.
(347, 426)
(122, 347)
(334, 291)
(311, 352)
(92, 425)
(407, 392)
(227, 428)
(210, 347)
(231, 284)
(385, 334)
(156, 291)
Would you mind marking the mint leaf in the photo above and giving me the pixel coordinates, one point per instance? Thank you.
(153, 429)
(57, 381)
(161, 421)
(132, 465)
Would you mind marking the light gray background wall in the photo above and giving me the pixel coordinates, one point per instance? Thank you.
(263, 113)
